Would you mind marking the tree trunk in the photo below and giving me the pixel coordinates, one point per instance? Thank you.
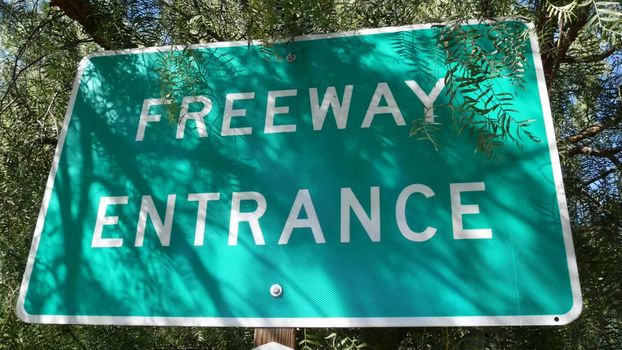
(93, 22)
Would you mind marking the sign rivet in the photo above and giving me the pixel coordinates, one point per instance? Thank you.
(276, 290)
(290, 58)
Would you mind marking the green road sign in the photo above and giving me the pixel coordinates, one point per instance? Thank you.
(231, 184)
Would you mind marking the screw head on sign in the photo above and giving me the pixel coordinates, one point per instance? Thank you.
(291, 57)
(276, 290)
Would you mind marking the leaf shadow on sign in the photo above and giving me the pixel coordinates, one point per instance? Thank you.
(360, 278)
(52, 288)
(99, 160)
(478, 291)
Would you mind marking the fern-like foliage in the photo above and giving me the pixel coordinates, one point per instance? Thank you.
(189, 72)
(477, 58)
(322, 339)
(605, 17)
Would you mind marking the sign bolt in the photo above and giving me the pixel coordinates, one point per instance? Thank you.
(290, 58)
(276, 290)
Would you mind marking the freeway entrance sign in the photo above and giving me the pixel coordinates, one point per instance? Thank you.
(231, 184)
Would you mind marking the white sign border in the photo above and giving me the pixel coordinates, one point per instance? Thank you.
(510, 320)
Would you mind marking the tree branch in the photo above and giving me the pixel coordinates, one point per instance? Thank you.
(589, 132)
(593, 130)
(590, 58)
(52, 141)
(595, 152)
(546, 34)
(83, 12)
(601, 176)
(16, 75)
(207, 31)
(567, 34)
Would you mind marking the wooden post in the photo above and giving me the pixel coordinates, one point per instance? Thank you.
(283, 336)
